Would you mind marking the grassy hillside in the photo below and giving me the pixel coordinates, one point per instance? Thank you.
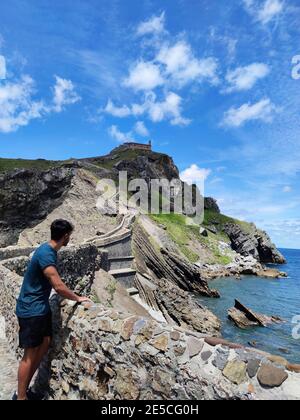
(187, 236)
(7, 165)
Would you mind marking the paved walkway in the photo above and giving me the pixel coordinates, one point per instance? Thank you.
(8, 371)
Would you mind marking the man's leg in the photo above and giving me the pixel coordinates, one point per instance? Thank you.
(43, 350)
(29, 365)
(25, 371)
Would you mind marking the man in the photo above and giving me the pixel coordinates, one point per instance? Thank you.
(33, 309)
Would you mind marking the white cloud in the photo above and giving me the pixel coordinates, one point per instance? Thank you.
(183, 67)
(244, 78)
(18, 106)
(141, 129)
(144, 76)
(2, 68)
(287, 189)
(118, 135)
(64, 94)
(271, 9)
(265, 13)
(194, 175)
(262, 110)
(170, 109)
(120, 112)
(155, 25)
(157, 111)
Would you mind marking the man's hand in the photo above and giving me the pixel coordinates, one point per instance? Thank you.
(83, 300)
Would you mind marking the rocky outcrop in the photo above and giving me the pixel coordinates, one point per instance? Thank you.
(146, 165)
(166, 264)
(211, 204)
(177, 306)
(255, 243)
(240, 266)
(27, 196)
(244, 317)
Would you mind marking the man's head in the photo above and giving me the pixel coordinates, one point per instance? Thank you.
(61, 231)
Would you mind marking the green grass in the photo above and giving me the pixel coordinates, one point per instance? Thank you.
(122, 155)
(7, 165)
(180, 232)
(210, 217)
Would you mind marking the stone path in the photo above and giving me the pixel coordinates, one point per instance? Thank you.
(8, 371)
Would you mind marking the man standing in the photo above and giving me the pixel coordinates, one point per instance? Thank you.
(33, 309)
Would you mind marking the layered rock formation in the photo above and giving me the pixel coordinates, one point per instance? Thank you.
(255, 243)
(244, 317)
(166, 264)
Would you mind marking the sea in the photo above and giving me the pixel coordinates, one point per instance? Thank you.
(280, 297)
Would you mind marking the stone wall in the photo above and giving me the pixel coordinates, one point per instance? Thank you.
(103, 354)
(14, 252)
(99, 353)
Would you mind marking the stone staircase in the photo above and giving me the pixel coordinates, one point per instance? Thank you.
(117, 243)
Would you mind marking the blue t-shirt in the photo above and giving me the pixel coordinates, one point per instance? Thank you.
(36, 289)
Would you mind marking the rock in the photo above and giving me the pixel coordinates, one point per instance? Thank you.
(252, 367)
(161, 342)
(212, 229)
(211, 204)
(163, 381)
(203, 232)
(235, 371)
(127, 328)
(278, 360)
(256, 243)
(178, 305)
(284, 351)
(126, 385)
(206, 355)
(175, 335)
(271, 376)
(293, 368)
(221, 358)
(240, 319)
(166, 264)
(194, 346)
(28, 196)
(244, 317)
(212, 341)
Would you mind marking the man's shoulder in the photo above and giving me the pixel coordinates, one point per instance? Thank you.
(44, 249)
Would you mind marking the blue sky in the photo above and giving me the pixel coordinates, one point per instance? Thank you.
(209, 81)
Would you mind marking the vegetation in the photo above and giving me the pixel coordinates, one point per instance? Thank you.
(111, 290)
(7, 165)
(180, 232)
(183, 232)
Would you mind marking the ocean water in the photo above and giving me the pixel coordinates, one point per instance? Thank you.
(280, 297)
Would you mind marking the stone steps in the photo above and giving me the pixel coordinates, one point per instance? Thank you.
(117, 263)
(125, 276)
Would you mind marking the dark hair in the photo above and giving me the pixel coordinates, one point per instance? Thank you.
(60, 228)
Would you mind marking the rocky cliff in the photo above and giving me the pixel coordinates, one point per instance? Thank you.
(30, 196)
(27, 196)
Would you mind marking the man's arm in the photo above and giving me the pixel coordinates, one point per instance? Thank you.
(59, 286)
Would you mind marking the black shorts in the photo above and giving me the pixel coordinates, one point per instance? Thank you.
(34, 330)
